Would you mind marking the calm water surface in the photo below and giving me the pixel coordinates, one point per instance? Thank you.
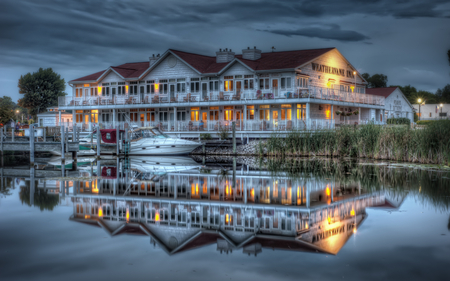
(178, 219)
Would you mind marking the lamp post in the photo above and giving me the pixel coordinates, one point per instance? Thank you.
(420, 101)
(441, 105)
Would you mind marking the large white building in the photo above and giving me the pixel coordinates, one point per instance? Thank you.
(433, 111)
(396, 104)
(188, 94)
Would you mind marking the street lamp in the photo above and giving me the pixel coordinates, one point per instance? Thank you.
(420, 102)
(441, 105)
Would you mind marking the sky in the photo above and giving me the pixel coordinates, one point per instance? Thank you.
(405, 40)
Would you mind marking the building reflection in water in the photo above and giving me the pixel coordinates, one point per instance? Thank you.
(182, 205)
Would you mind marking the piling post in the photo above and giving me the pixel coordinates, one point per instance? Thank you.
(1, 141)
(74, 161)
(31, 128)
(233, 125)
(99, 141)
(32, 186)
(63, 160)
(12, 135)
(234, 172)
(92, 140)
(67, 138)
(45, 134)
(117, 140)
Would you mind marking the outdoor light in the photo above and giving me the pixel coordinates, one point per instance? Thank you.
(441, 105)
(354, 72)
(419, 100)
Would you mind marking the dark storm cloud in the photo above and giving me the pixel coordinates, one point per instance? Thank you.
(333, 33)
(85, 36)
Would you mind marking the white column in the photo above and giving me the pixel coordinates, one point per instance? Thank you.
(73, 117)
(175, 121)
(308, 118)
(245, 117)
(59, 114)
(332, 112)
(359, 115)
(114, 118)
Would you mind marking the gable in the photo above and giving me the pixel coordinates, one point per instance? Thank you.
(171, 66)
(237, 68)
(398, 100)
(111, 77)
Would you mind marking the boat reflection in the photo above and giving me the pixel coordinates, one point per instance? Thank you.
(182, 205)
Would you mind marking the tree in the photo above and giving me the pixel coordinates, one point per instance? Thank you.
(448, 55)
(41, 90)
(376, 80)
(443, 94)
(6, 109)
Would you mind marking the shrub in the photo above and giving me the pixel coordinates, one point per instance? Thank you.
(205, 136)
(223, 132)
(425, 122)
(399, 121)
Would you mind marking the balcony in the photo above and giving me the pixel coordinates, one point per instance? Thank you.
(215, 125)
(216, 98)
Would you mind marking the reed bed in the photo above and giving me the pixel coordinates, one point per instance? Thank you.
(428, 186)
(428, 145)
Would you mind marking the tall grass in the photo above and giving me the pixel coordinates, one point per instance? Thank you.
(428, 145)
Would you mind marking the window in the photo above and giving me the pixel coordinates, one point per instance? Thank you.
(181, 87)
(195, 86)
(302, 82)
(431, 114)
(228, 85)
(301, 111)
(248, 83)
(286, 83)
(113, 91)
(142, 88)
(264, 83)
(194, 113)
(214, 85)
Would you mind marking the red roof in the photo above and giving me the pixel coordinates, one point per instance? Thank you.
(207, 64)
(91, 77)
(384, 92)
(283, 60)
(131, 70)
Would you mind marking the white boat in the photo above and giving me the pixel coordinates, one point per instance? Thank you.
(151, 141)
(146, 141)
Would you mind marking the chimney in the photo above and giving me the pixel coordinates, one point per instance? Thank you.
(152, 59)
(251, 54)
(224, 55)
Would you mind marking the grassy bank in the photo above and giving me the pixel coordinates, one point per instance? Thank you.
(428, 145)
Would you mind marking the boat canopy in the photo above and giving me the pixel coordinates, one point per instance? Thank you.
(109, 135)
(148, 132)
(109, 172)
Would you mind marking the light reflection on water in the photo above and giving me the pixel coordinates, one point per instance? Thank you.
(275, 211)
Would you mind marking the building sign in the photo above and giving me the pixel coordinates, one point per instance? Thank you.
(397, 105)
(332, 70)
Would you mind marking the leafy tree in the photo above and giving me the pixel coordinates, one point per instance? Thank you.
(41, 90)
(448, 55)
(376, 80)
(6, 109)
(443, 94)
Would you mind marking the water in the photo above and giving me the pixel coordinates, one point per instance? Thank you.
(290, 220)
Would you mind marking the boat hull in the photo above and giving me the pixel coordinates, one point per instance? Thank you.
(161, 149)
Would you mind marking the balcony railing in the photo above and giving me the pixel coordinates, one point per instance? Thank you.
(223, 97)
(215, 126)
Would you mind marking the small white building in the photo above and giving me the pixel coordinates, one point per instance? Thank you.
(432, 111)
(52, 118)
(396, 104)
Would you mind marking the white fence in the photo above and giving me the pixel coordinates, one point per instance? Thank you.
(223, 97)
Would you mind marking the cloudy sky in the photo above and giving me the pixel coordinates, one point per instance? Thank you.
(406, 40)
